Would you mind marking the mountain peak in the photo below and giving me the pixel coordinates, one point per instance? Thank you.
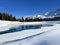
(53, 13)
(58, 9)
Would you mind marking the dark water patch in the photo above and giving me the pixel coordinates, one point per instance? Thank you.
(24, 27)
(21, 28)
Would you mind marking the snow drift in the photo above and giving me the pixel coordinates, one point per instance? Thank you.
(43, 36)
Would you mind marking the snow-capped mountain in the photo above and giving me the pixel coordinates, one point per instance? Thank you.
(51, 14)
(36, 16)
(54, 13)
(40, 17)
(44, 16)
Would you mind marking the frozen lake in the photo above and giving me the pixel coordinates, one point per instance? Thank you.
(43, 34)
(25, 27)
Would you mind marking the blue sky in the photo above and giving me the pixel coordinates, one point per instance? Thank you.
(21, 8)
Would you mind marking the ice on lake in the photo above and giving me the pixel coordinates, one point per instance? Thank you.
(48, 35)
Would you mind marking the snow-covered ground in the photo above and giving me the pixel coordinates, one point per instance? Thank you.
(43, 36)
(6, 25)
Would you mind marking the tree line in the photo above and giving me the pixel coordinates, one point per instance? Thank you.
(5, 16)
(9, 17)
(39, 19)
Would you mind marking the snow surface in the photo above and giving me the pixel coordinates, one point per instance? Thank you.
(6, 25)
(43, 36)
(40, 16)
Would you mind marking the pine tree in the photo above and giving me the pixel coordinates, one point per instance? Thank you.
(22, 19)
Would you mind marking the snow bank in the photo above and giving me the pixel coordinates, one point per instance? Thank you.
(42, 22)
(45, 31)
(51, 36)
(25, 33)
(6, 25)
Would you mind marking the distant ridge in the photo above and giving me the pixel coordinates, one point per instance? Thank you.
(54, 13)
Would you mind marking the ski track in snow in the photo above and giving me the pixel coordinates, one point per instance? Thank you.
(30, 40)
(29, 36)
(49, 37)
(26, 38)
(38, 39)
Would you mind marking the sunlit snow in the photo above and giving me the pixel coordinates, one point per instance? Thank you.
(43, 36)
